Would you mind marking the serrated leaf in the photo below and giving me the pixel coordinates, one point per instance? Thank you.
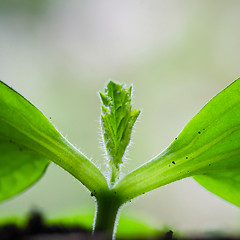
(117, 120)
(28, 142)
(208, 148)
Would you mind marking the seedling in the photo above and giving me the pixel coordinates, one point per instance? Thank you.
(208, 149)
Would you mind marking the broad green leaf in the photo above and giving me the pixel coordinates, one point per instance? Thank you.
(207, 148)
(28, 142)
(224, 184)
(19, 168)
(117, 120)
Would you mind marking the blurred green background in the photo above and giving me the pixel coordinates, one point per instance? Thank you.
(177, 55)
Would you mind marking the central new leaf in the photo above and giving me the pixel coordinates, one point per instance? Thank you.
(117, 119)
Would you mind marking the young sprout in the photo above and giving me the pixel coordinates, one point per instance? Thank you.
(117, 120)
(208, 149)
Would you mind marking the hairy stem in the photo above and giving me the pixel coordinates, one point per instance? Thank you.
(108, 205)
(114, 171)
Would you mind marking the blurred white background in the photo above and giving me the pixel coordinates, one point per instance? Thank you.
(177, 55)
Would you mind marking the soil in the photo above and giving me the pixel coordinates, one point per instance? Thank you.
(37, 230)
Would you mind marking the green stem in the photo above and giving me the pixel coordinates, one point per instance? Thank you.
(113, 175)
(108, 205)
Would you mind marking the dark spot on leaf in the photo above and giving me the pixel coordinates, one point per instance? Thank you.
(175, 138)
(92, 194)
(199, 132)
(169, 165)
(11, 141)
(173, 162)
(186, 157)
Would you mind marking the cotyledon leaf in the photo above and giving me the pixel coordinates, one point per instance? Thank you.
(224, 184)
(18, 171)
(28, 142)
(208, 148)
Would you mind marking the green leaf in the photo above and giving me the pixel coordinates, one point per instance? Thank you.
(208, 148)
(224, 184)
(19, 168)
(28, 142)
(117, 120)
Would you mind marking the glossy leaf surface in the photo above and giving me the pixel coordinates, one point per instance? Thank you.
(207, 148)
(28, 142)
(18, 171)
